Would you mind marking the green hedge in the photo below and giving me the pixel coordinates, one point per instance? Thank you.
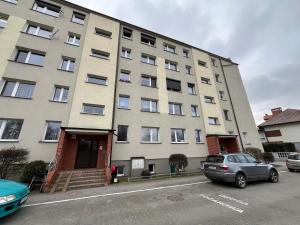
(279, 147)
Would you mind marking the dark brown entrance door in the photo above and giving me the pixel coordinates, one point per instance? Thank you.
(87, 154)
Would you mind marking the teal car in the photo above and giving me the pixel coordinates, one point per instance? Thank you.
(12, 196)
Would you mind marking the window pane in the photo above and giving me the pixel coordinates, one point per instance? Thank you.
(154, 106)
(180, 135)
(96, 80)
(25, 90)
(31, 29)
(122, 133)
(153, 82)
(145, 134)
(197, 136)
(12, 129)
(21, 57)
(64, 64)
(52, 131)
(124, 76)
(173, 138)
(57, 93)
(154, 132)
(92, 109)
(71, 66)
(177, 109)
(44, 33)
(65, 95)
(123, 102)
(146, 81)
(8, 88)
(146, 105)
(36, 59)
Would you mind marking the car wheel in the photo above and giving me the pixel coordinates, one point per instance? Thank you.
(274, 177)
(240, 180)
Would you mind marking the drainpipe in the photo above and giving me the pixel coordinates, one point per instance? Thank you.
(234, 116)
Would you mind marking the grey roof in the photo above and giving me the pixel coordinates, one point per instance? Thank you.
(287, 116)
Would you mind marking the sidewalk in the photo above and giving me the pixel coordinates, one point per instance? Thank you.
(113, 188)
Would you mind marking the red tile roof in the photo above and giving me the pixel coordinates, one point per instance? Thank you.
(287, 116)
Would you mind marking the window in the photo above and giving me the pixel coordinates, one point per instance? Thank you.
(148, 105)
(150, 134)
(214, 62)
(213, 121)
(205, 80)
(201, 63)
(170, 65)
(194, 109)
(178, 135)
(169, 48)
(151, 168)
(198, 136)
(241, 158)
(47, 8)
(94, 79)
(209, 99)
(218, 78)
(52, 131)
(188, 70)
(30, 57)
(3, 21)
(173, 85)
(120, 171)
(245, 134)
(126, 53)
(124, 76)
(138, 163)
(92, 109)
(226, 114)
(73, 39)
(78, 18)
(103, 33)
(191, 89)
(100, 54)
(185, 53)
(148, 40)
(148, 59)
(148, 81)
(222, 95)
(60, 94)
(18, 89)
(10, 129)
(127, 33)
(39, 31)
(250, 158)
(175, 108)
(67, 64)
(122, 133)
(123, 102)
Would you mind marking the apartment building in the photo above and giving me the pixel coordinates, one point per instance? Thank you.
(84, 90)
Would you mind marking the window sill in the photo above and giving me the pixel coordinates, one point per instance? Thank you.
(179, 142)
(13, 97)
(150, 112)
(175, 53)
(68, 71)
(217, 124)
(99, 57)
(57, 101)
(35, 35)
(173, 70)
(68, 43)
(101, 35)
(91, 114)
(213, 103)
(10, 60)
(14, 3)
(9, 140)
(148, 86)
(146, 142)
(123, 108)
(44, 13)
(122, 142)
(176, 114)
(196, 116)
(96, 83)
(48, 141)
(82, 24)
(153, 46)
(123, 57)
(174, 91)
(125, 81)
(128, 38)
(192, 94)
(148, 63)
(199, 143)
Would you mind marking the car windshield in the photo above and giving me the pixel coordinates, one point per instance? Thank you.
(215, 158)
(295, 157)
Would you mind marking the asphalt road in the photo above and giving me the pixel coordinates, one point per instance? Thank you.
(182, 201)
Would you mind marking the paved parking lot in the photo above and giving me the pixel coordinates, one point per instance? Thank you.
(182, 201)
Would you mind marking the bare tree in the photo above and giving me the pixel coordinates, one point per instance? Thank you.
(178, 161)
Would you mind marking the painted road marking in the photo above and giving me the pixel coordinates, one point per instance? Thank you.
(116, 193)
(233, 199)
(222, 203)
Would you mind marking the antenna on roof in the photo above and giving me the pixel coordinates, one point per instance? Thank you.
(52, 35)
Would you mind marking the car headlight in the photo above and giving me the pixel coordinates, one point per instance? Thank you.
(8, 198)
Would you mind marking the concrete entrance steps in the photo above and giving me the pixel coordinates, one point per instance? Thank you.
(78, 179)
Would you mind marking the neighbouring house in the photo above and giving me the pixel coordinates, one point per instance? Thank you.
(84, 91)
(281, 127)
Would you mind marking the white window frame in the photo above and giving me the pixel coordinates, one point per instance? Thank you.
(45, 131)
(144, 76)
(150, 104)
(215, 119)
(198, 134)
(97, 78)
(168, 64)
(63, 90)
(169, 48)
(209, 99)
(193, 89)
(73, 42)
(38, 28)
(173, 108)
(4, 22)
(77, 19)
(151, 129)
(16, 87)
(196, 109)
(93, 105)
(28, 57)
(123, 96)
(126, 53)
(2, 128)
(148, 59)
(176, 139)
(68, 64)
(12, 1)
(45, 9)
(127, 73)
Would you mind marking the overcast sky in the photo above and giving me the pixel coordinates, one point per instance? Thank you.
(262, 36)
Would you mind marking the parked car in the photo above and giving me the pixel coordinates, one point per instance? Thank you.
(238, 169)
(12, 196)
(293, 162)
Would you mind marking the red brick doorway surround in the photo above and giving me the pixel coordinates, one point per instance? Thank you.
(222, 143)
(67, 147)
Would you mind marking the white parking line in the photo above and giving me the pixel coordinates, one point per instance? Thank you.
(116, 193)
(233, 199)
(222, 203)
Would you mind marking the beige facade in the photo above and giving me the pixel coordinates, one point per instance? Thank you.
(110, 68)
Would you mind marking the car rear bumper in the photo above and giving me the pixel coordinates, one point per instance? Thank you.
(220, 176)
(11, 207)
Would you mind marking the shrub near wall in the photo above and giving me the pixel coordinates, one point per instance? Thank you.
(279, 147)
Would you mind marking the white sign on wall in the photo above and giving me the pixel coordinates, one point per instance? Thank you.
(137, 163)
